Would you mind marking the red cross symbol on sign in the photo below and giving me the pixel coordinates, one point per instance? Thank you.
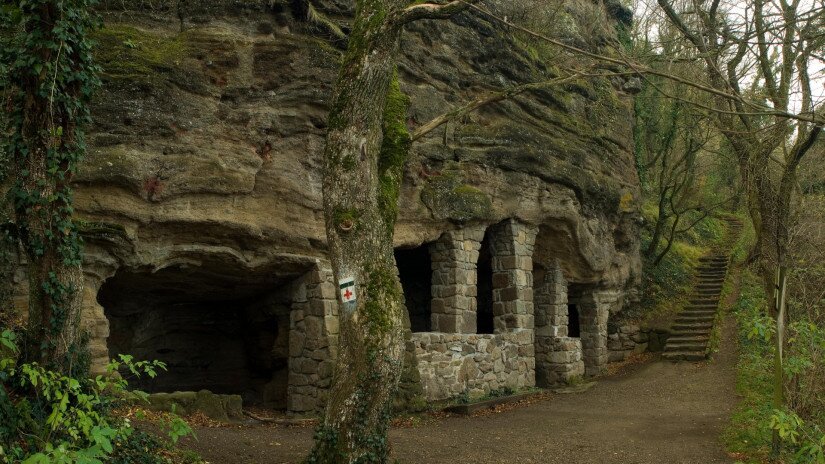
(347, 287)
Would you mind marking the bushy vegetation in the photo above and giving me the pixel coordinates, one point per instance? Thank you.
(50, 418)
(801, 423)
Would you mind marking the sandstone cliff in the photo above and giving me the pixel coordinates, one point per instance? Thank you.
(202, 185)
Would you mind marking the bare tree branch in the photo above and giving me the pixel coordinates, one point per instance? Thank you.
(431, 10)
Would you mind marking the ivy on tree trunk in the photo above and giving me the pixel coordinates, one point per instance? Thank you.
(49, 80)
(366, 147)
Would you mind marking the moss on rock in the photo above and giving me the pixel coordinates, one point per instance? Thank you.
(126, 52)
(448, 197)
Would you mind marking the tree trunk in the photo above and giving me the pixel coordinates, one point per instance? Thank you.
(367, 145)
(661, 222)
(53, 75)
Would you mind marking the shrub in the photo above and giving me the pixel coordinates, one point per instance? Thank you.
(48, 417)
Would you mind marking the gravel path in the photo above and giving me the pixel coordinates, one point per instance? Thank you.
(655, 413)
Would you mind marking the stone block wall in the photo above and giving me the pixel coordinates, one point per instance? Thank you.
(558, 357)
(512, 251)
(558, 360)
(627, 339)
(313, 341)
(454, 259)
(594, 311)
(450, 364)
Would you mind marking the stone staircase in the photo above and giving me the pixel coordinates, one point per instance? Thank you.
(690, 332)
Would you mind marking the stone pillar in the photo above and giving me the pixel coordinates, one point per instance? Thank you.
(594, 310)
(94, 321)
(512, 256)
(454, 260)
(558, 357)
(98, 266)
(313, 340)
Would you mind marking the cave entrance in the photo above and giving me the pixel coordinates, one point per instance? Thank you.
(484, 292)
(416, 275)
(573, 325)
(574, 295)
(219, 330)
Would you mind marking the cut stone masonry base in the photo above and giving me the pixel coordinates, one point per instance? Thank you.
(558, 360)
(627, 340)
(313, 341)
(512, 251)
(451, 364)
(454, 281)
(530, 345)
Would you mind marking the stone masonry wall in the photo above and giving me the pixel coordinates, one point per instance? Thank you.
(454, 259)
(594, 311)
(558, 357)
(451, 364)
(625, 340)
(512, 250)
(313, 341)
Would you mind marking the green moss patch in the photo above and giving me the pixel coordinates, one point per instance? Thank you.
(126, 52)
(448, 197)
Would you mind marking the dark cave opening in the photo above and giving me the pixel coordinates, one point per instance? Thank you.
(574, 294)
(416, 275)
(573, 323)
(228, 335)
(484, 289)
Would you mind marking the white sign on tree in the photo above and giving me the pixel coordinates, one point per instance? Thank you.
(347, 287)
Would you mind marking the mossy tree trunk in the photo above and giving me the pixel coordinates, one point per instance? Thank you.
(50, 80)
(366, 147)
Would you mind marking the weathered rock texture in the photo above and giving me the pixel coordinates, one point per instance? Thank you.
(201, 197)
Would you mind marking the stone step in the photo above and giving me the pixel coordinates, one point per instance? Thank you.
(692, 326)
(706, 308)
(711, 273)
(704, 301)
(698, 313)
(686, 346)
(714, 285)
(707, 291)
(695, 320)
(712, 280)
(685, 355)
(692, 334)
(689, 338)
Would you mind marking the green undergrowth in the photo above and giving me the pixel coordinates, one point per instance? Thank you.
(748, 434)
(747, 238)
(666, 287)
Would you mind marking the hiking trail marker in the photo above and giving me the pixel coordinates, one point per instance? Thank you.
(347, 287)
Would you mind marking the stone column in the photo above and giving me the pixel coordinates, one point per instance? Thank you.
(95, 322)
(98, 266)
(454, 262)
(558, 356)
(594, 310)
(512, 256)
(313, 340)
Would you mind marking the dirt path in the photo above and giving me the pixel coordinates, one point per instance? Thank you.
(659, 412)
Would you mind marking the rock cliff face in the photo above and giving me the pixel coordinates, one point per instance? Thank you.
(201, 194)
